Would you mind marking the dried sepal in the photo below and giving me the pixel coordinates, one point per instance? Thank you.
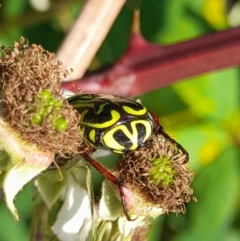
(25, 162)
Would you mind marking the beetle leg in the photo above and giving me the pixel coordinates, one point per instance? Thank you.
(159, 129)
(110, 177)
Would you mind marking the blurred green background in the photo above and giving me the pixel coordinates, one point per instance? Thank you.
(202, 113)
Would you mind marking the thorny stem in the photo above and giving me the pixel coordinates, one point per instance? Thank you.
(145, 67)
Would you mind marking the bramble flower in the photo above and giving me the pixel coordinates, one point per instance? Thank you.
(36, 123)
(75, 218)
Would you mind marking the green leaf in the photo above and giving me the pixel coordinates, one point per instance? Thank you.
(110, 207)
(216, 188)
(10, 229)
(172, 20)
(161, 102)
(211, 95)
(204, 142)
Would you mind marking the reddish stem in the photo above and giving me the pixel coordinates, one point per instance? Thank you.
(145, 66)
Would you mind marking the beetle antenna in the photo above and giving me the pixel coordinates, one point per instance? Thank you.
(179, 146)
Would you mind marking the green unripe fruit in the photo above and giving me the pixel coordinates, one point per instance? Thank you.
(45, 94)
(61, 124)
(36, 119)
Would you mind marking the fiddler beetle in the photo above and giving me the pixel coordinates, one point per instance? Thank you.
(116, 124)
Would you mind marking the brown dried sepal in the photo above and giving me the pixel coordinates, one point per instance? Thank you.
(135, 170)
(25, 71)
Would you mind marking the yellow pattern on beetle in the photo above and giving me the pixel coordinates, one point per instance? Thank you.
(129, 110)
(111, 142)
(114, 114)
(92, 135)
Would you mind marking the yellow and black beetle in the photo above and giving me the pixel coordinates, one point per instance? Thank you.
(117, 124)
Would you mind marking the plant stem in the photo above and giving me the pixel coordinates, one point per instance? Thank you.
(146, 67)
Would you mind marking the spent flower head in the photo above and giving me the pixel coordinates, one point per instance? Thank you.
(157, 178)
(33, 105)
(36, 123)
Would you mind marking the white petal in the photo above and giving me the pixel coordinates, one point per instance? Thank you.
(74, 220)
(126, 227)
